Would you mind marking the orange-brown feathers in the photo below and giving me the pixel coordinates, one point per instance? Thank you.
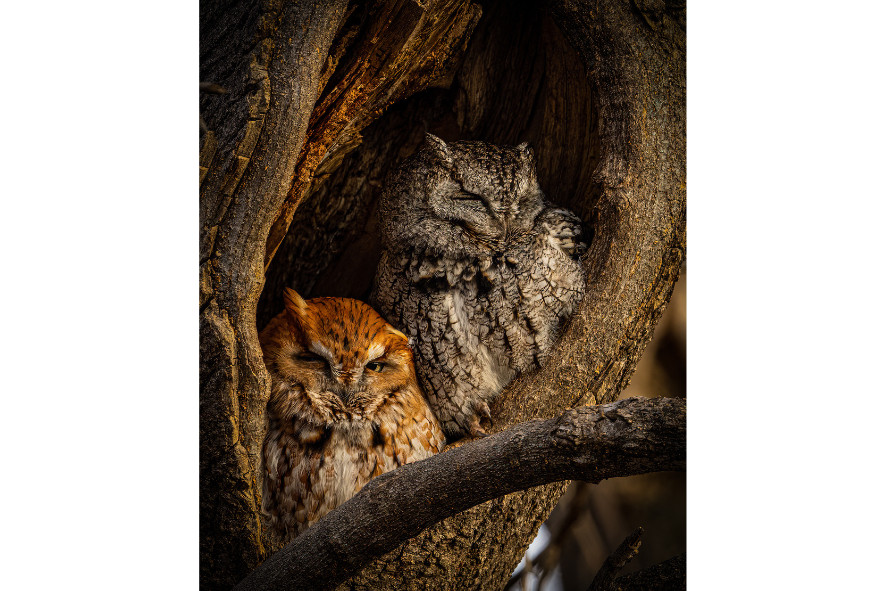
(343, 325)
(339, 348)
(345, 406)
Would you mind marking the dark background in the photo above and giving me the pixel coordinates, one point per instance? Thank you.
(592, 520)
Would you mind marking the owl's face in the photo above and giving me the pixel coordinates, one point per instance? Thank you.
(469, 194)
(333, 360)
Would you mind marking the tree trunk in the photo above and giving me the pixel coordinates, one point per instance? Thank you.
(323, 99)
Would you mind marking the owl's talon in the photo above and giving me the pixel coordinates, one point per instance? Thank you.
(477, 431)
(483, 412)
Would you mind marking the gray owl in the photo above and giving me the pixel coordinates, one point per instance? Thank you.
(478, 268)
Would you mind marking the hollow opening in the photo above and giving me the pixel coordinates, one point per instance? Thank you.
(519, 81)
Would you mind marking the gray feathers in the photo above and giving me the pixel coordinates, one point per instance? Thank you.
(477, 269)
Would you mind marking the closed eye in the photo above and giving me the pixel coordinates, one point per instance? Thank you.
(467, 196)
(310, 357)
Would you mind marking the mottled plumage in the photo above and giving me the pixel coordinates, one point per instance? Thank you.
(478, 268)
(345, 406)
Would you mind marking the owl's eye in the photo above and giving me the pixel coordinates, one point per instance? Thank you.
(467, 196)
(375, 366)
(310, 357)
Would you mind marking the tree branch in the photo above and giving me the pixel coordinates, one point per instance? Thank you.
(617, 561)
(548, 559)
(628, 437)
(594, 88)
(669, 575)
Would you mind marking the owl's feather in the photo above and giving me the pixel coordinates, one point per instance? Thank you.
(478, 268)
(345, 406)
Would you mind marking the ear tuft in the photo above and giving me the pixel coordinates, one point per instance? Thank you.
(396, 332)
(294, 302)
(437, 146)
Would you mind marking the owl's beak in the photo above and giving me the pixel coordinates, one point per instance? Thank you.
(347, 382)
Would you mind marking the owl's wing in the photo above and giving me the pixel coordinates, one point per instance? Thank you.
(282, 497)
(461, 366)
(553, 280)
(564, 230)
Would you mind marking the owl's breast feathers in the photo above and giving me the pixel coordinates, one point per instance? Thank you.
(344, 407)
(312, 467)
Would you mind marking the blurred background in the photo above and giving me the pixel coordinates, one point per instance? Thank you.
(590, 521)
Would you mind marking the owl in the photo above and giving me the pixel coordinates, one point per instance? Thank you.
(345, 406)
(478, 268)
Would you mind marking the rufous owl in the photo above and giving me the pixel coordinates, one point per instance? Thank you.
(345, 406)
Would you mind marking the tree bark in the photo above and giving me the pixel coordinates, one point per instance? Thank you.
(270, 63)
(318, 109)
(628, 437)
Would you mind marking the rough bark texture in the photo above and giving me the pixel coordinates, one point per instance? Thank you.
(294, 96)
(260, 54)
(301, 142)
(631, 436)
(636, 201)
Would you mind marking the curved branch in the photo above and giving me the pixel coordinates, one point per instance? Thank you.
(631, 436)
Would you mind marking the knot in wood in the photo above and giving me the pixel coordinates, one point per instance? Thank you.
(567, 430)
